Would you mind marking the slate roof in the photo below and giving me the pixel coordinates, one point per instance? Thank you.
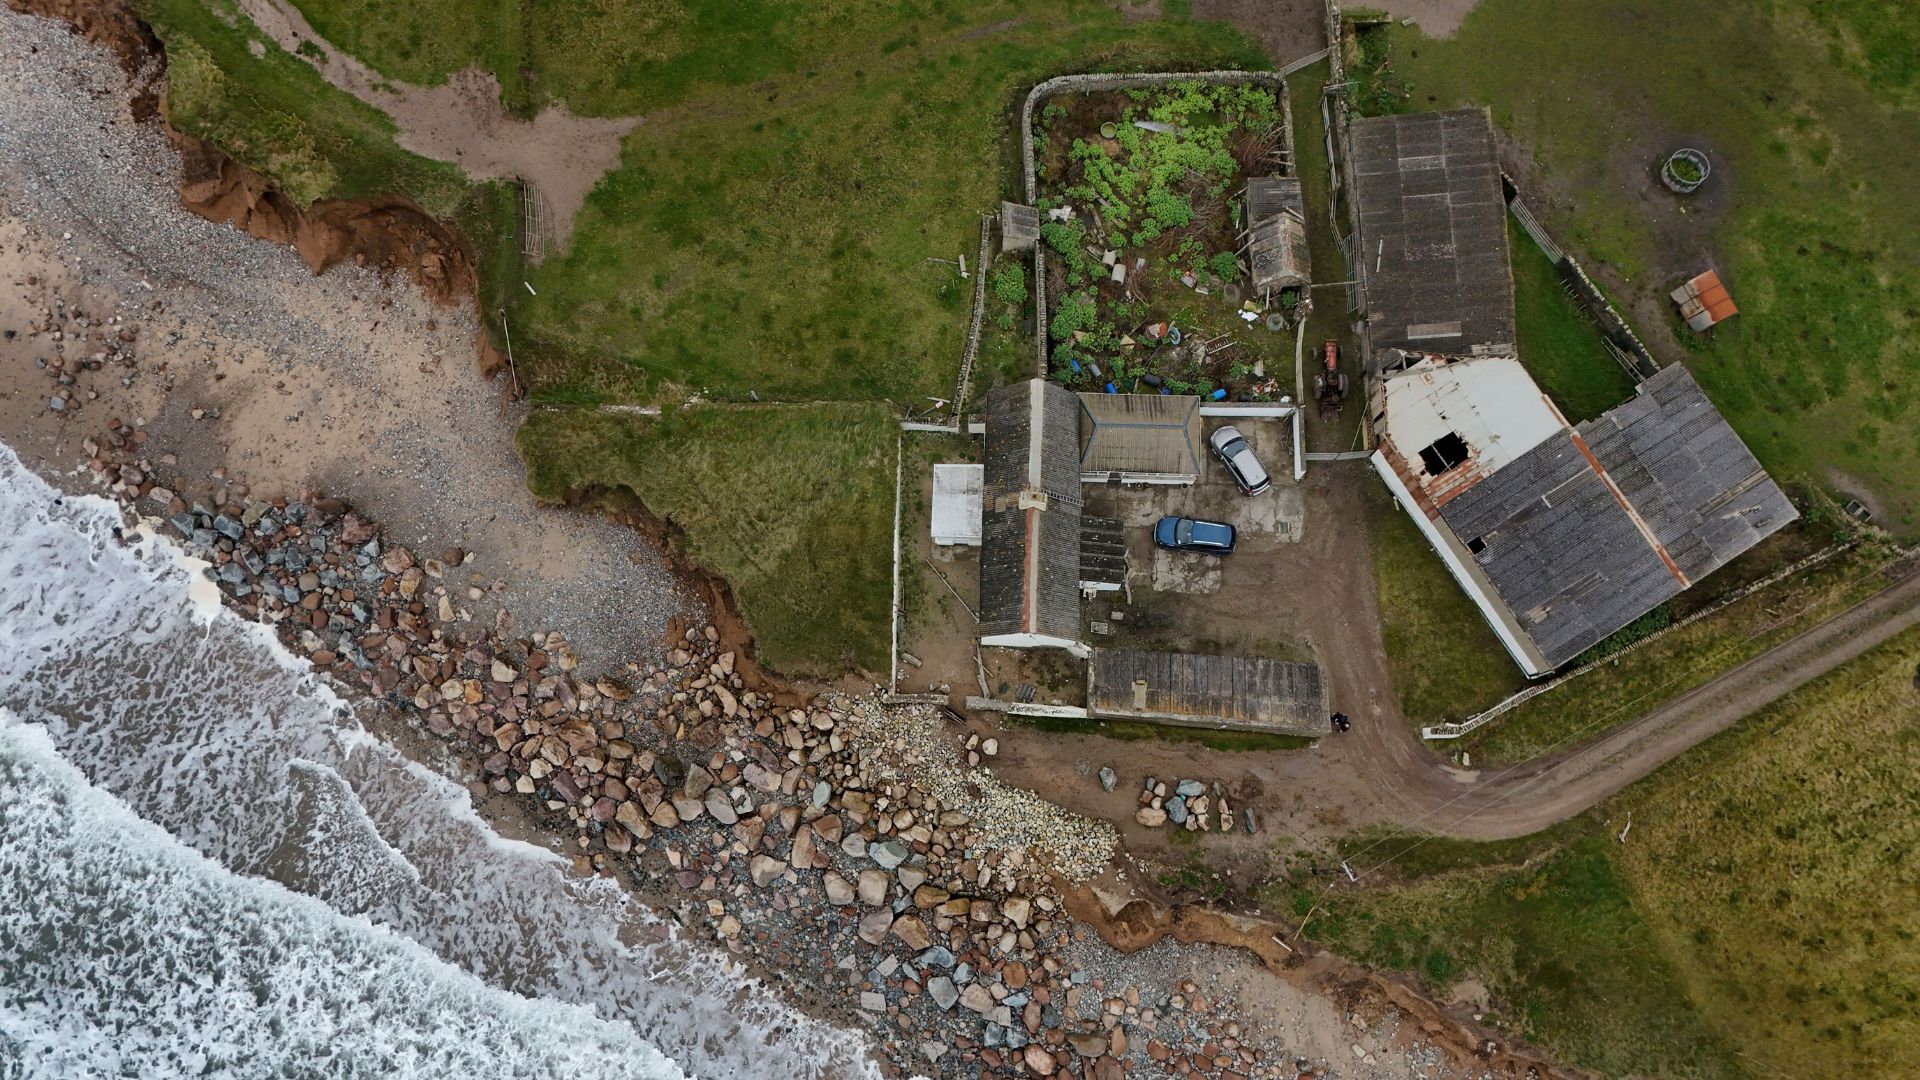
(1030, 520)
(1432, 231)
(1594, 527)
(1244, 692)
(1139, 435)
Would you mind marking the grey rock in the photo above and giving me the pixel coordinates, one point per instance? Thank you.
(822, 791)
(1177, 810)
(1247, 820)
(938, 956)
(1190, 788)
(889, 854)
(229, 528)
(183, 523)
(1107, 779)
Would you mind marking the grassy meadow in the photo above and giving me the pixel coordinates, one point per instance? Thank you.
(1812, 128)
(1757, 922)
(792, 505)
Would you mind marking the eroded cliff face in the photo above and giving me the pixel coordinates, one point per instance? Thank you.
(389, 233)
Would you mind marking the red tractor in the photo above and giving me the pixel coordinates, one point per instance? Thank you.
(1330, 383)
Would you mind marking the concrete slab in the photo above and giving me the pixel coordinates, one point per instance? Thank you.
(1185, 572)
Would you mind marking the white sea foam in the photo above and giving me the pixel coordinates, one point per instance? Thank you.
(125, 953)
(202, 724)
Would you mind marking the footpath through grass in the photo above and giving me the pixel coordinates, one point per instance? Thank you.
(792, 505)
(1756, 922)
(1808, 214)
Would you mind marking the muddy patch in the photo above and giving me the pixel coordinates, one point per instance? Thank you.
(560, 156)
(1285, 29)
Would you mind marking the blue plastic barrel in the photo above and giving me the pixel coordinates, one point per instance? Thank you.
(1219, 395)
(1112, 389)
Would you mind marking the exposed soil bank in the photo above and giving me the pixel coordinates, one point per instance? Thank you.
(389, 234)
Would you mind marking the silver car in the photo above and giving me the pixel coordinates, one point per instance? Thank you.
(1231, 448)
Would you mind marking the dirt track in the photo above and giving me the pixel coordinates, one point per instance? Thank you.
(1381, 773)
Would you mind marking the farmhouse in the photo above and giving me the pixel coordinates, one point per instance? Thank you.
(1030, 518)
(1561, 534)
(1039, 551)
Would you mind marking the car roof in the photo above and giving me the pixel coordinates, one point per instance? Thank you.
(1224, 435)
(1250, 466)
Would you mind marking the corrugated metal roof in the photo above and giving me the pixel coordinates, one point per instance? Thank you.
(1140, 435)
(1226, 691)
(1591, 528)
(1275, 235)
(957, 503)
(1432, 231)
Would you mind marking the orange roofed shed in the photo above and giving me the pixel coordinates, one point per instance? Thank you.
(1704, 301)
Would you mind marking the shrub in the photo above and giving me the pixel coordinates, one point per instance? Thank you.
(1010, 284)
(1225, 266)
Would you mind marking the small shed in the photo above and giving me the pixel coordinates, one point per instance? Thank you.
(957, 507)
(1704, 302)
(1019, 227)
(1241, 693)
(1274, 237)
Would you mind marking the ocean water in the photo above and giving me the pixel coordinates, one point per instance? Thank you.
(209, 867)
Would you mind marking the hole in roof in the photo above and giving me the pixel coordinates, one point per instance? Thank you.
(1446, 452)
(1477, 545)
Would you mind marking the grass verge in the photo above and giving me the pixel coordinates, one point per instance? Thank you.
(1660, 671)
(1445, 661)
(792, 505)
(1754, 923)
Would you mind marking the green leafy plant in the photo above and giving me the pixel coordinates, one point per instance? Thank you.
(1010, 284)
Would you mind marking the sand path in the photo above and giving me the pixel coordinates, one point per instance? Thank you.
(561, 156)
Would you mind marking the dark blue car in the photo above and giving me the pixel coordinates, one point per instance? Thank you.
(1192, 534)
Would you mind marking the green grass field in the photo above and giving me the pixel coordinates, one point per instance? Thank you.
(1813, 135)
(792, 505)
(1756, 923)
(1558, 343)
(781, 248)
(1445, 661)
